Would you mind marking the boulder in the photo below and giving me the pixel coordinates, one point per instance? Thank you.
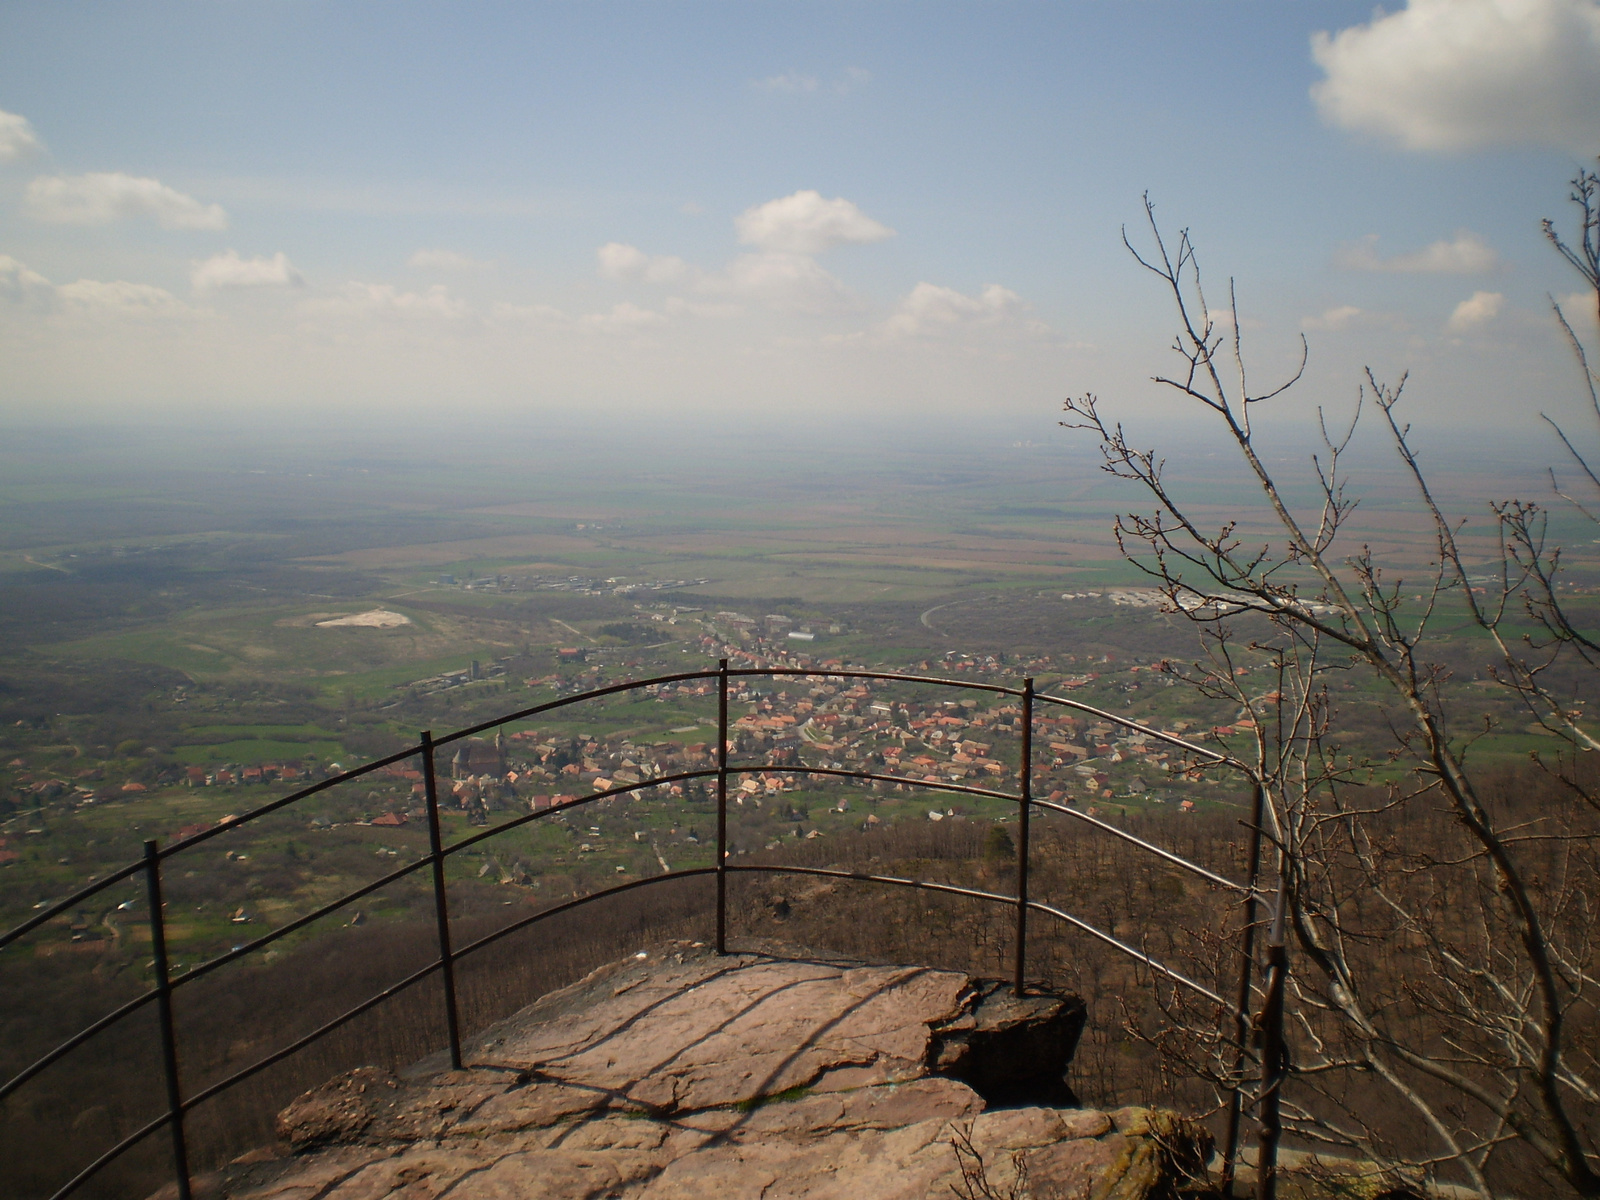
(1010, 1049)
(679, 1074)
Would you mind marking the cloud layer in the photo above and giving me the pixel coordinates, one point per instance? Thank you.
(931, 310)
(119, 298)
(799, 83)
(447, 260)
(1476, 310)
(227, 271)
(89, 298)
(385, 302)
(805, 223)
(1341, 316)
(1464, 254)
(103, 197)
(793, 282)
(782, 274)
(1450, 75)
(20, 284)
(16, 137)
(623, 262)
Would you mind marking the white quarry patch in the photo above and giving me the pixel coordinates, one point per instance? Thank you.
(377, 618)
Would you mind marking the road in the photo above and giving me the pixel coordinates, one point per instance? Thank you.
(951, 604)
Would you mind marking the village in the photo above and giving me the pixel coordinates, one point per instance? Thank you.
(792, 727)
(627, 782)
(785, 724)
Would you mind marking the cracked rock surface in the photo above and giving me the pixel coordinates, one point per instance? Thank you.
(682, 1074)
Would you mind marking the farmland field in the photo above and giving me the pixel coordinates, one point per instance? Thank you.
(165, 659)
(166, 663)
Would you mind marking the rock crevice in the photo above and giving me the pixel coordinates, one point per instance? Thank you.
(1011, 1050)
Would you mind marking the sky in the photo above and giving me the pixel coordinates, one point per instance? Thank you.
(282, 210)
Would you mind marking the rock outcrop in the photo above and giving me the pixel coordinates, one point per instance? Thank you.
(680, 1074)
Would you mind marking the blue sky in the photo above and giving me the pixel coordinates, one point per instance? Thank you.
(773, 208)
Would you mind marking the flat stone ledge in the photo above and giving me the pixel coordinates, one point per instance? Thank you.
(681, 1074)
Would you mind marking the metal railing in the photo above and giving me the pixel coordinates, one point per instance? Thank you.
(1267, 1025)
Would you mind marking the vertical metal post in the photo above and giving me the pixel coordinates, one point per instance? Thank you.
(1024, 811)
(441, 900)
(1274, 1060)
(722, 806)
(1241, 1023)
(169, 1040)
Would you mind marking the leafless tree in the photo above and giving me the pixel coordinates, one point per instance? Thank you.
(1441, 1007)
(975, 1183)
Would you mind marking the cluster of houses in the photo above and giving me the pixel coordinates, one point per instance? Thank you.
(786, 723)
(234, 774)
(790, 724)
(582, 584)
(89, 786)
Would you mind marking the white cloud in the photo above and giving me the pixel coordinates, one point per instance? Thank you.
(119, 298)
(785, 281)
(99, 199)
(677, 306)
(447, 260)
(385, 300)
(789, 81)
(853, 78)
(1341, 317)
(1223, 321)
(95, 298)
(931, 310)
(1579, 308)
(228, 271)
(539, 314)
(781, 274)
(1460, 74)
(799, 83)
(18, 283)
(621, 261)
(775, 278)
(623, 318)
(16, 137)
(805, 223)
(1478, 309)
(1465, 254)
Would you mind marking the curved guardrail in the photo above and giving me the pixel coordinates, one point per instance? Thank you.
(178, 1105)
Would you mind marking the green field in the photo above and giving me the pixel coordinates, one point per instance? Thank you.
(157, 613)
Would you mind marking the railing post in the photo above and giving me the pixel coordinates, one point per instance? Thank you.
(169, 1039)
(1241, 1024)
(722, 806)
(1024, 812)
(441, 900)
(1274, 1059)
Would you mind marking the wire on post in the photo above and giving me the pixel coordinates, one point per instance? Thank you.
(441, 900)
(1241, 1029)
(169, 1037)
(722, 806)
(1024, 807)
